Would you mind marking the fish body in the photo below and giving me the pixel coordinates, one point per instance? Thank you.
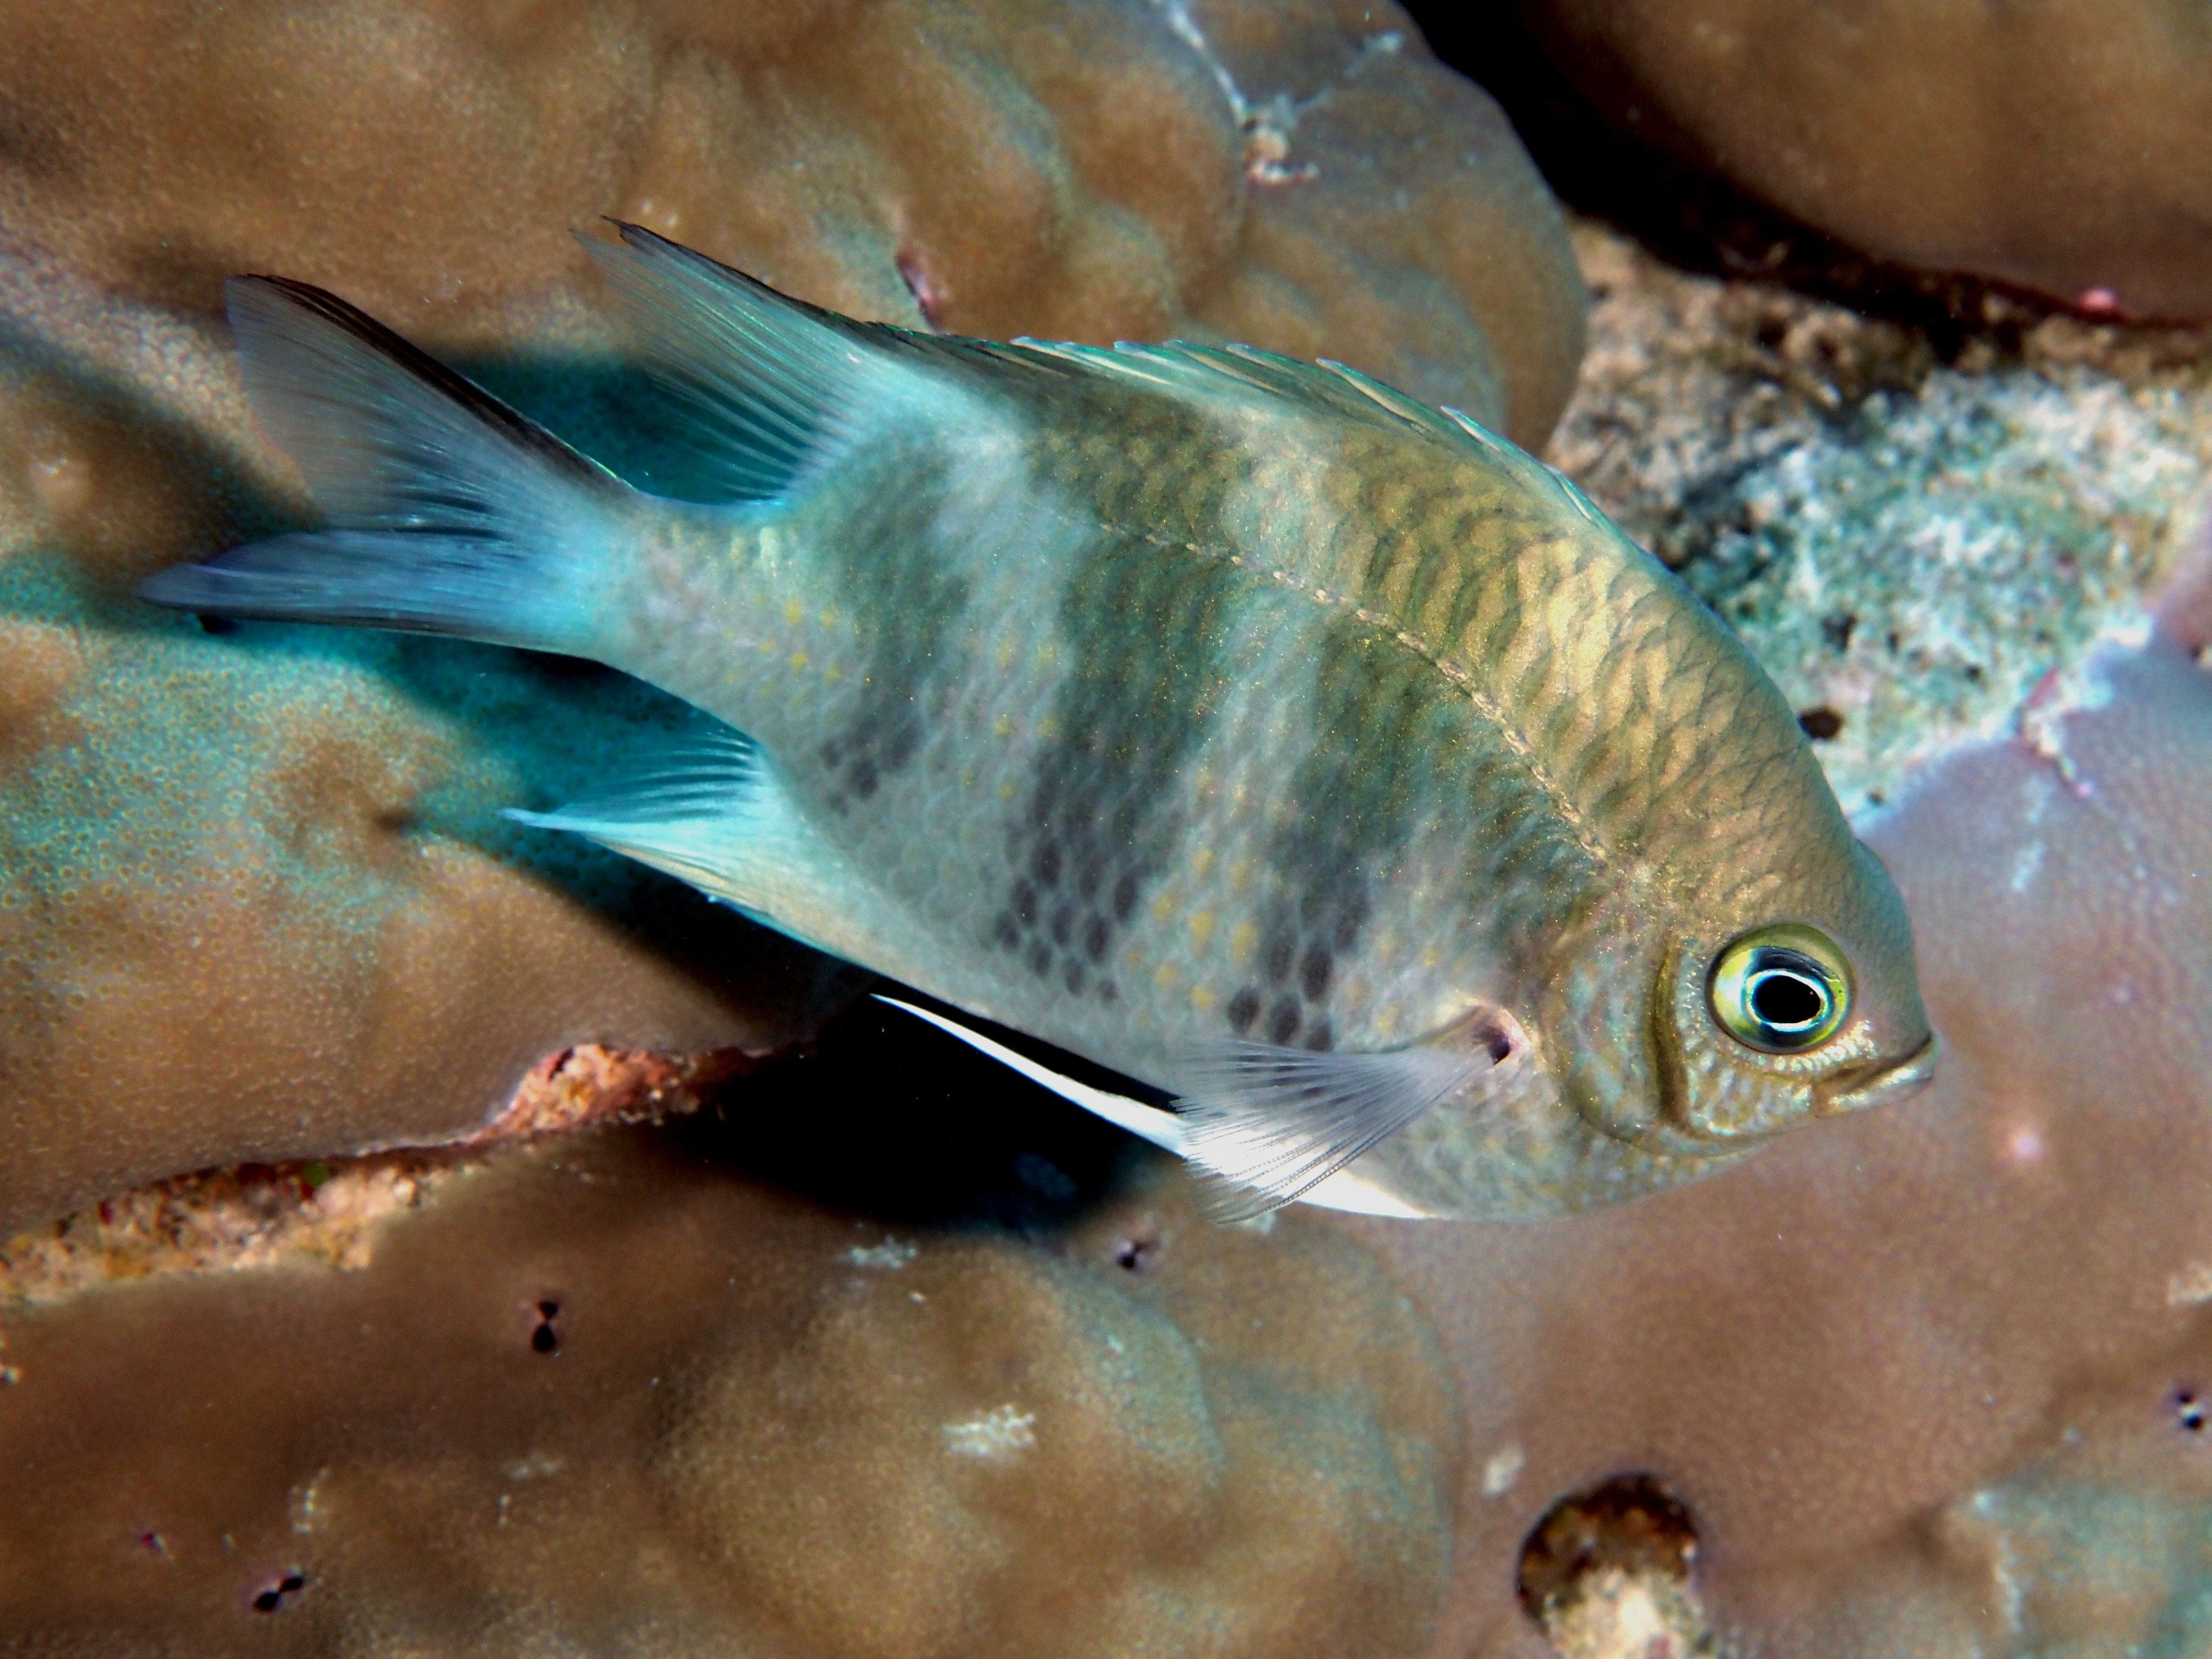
(1241, 725)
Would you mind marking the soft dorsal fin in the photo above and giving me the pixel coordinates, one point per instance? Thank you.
(769, 386)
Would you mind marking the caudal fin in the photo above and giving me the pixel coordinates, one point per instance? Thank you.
(449, 513)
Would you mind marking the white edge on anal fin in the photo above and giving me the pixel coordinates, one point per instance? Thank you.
(1342, 1190)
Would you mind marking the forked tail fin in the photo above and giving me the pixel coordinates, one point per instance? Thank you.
(449, 513)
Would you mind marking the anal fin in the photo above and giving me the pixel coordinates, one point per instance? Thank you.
(710, 810)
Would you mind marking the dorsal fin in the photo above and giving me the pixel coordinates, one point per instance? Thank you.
(772, 386)
(769, 386)
(1207, 373)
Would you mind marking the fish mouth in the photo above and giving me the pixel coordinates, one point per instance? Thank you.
(1878, 1086)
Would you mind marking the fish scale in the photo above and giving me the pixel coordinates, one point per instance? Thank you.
(1243, 726)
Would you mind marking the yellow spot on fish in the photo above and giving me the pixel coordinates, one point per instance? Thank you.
(1164, 975)
(1004, 726)
(1431, 957)
(1201, 861)
(798, 661)
(793, 612)
(1241, 938)
(1164, 908)
(1048, 727)
(828, 615)
(1006, 790)
(768, 647)
(1201, 928)
(1386, 1019)
(833, 673)
(1202, 998)
(1133, 959)
(1005, 654)
(1240, 875)
(967, 780)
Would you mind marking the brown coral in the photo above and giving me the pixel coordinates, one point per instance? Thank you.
(2059, 145)
(1306, 177)
(599, 1394)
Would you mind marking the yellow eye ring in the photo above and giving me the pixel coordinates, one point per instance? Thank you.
(1781, 990)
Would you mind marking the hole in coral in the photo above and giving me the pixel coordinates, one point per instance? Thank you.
(1837, 628)
(1821, 724)
(1610, 1561)
(1137, 1256)
(269, 1600)
(544, 1338)
(2189, 1410)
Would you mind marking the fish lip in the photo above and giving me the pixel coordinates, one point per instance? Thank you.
(1899, 1080)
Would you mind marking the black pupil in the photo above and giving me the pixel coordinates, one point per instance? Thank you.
(1788, 999)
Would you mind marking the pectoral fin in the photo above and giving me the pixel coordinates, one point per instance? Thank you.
(1278, 1124)
(1334, 1190)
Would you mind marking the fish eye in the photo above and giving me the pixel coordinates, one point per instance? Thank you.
(1782, 989)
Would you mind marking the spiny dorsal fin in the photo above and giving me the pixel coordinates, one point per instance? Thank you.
(1211, 374)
